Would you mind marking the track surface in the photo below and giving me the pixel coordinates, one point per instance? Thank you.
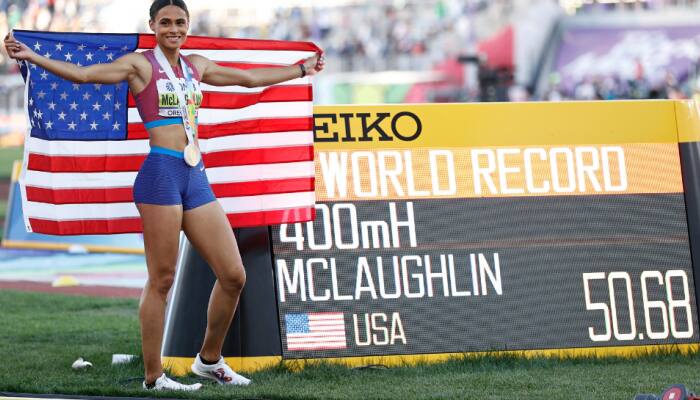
(105, 275)
(97, 291)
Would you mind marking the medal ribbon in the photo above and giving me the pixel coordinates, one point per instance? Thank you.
(188, 108)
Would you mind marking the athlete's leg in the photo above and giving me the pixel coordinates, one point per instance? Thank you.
(161, 237)
(210, 233)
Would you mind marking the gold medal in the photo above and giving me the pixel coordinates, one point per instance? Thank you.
(192, 155)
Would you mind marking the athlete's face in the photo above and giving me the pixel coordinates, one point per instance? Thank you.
(170, 26)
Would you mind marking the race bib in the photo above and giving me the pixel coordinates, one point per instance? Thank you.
(168, 103)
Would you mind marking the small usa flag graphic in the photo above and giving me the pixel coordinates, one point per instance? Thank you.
(315, 331)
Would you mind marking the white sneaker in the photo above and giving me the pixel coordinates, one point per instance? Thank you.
(220, 372)
(165, 383)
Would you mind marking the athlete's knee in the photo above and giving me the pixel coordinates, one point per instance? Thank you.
(233, 281)
(162, 283)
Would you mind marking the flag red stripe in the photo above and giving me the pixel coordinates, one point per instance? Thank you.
(240, 100)
(114, 163)
(133, 225)
(275, 217)
(259, 156)
(262, 125)
(136, 131)
(111, 163)
(148, 41)
(76, 196)
(87, 227)
(125, 195)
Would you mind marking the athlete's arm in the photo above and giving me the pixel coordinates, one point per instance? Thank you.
(124, 68)
(216, 75)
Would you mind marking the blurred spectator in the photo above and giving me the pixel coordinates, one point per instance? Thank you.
(55, 15)
(614, 88)
(379, 35)
(371, 36)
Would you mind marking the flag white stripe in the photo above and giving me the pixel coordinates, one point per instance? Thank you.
(319, 334)
(71, 212)
(326, 322)
(326, 329)
(65, 180)
(68, 212)
(257, 141)
(301, 340)
(141, 146)
(87, 148)
(268, 202)
(208, 116)
(101, 180)
(249, 173)
(311, 346)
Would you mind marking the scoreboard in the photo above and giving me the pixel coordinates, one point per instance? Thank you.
(488, 227)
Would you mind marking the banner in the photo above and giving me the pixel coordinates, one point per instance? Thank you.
(626, 53)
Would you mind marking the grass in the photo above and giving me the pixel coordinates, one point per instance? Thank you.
(3, 211)
(8, 155)
(42, 334)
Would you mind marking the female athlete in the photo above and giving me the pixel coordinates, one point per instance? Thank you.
(171, 190)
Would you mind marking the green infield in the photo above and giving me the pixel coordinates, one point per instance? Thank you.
(8, 155)
(42, 334)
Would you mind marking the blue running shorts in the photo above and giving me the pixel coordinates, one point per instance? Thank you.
(165, 179)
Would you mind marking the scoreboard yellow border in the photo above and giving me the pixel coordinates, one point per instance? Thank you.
(687, 121)
(181, 365)
(512, 124)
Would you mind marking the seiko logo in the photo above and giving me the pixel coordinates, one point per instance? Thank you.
(384, 127)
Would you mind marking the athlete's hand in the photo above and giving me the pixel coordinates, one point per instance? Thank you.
(17, 50)
(315, 64)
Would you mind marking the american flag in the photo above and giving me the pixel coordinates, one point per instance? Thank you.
(315, 331)
(86, 142)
